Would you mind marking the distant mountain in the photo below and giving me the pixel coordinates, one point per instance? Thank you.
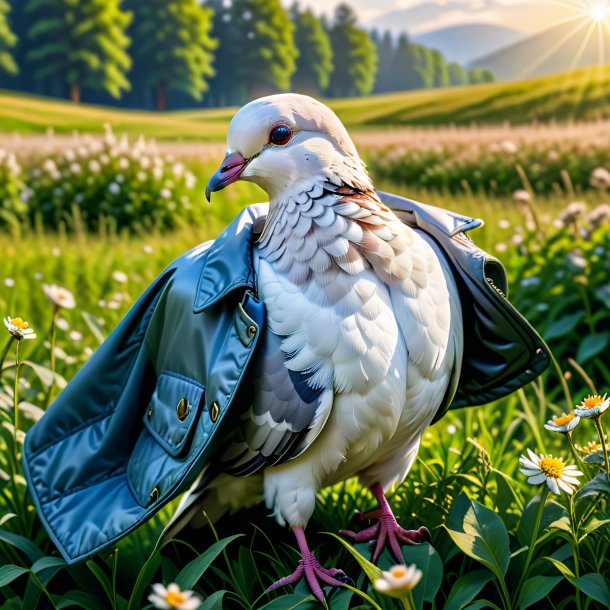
(557, 49)
(467, 42)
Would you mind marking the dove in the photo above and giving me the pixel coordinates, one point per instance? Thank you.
(363, 340)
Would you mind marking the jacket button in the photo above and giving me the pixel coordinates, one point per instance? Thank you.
(154, 495)
(214, 412)
(251, 331)
(150, 412)
(182, 409)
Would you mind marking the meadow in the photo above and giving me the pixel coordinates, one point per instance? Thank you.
(497, 540)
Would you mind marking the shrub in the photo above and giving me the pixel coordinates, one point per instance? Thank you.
(13, 194)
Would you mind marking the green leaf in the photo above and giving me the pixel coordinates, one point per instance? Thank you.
(9, 572)
(144, 577)
(94, 327)
(596, 457)
(193, 571)
(479, 533)
(370, 569)
(599, 484)
(102, 578)
(288, 602)
(595, 586)
(466, 588)
(48, 562)
(425, 557)
(563, 326)
(80, 599)
(46, 375)
(30, 550)
(591, 346)
(551, 513)
(214, 602)
(536, 588)
(563, 568)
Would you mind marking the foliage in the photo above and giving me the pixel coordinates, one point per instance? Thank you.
(79, 44)
(171, 46)
(315, 60)
(7, 40)
(12, 207)
(355, 56)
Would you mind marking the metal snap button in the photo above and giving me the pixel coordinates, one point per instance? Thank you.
(214, 412)
(154, 495)
(251, 331)
(150, 412)
(182, 409)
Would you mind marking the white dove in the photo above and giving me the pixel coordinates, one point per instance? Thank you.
(363, 340)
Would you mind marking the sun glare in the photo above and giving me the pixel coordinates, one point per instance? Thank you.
(599, 11)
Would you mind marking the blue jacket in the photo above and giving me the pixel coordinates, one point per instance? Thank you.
(136, 425)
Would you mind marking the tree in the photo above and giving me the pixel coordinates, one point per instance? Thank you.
(355, 56)
(7, 41)
(80, 44)
(425, 65)
(406, 68)
(457, 75)
(387, 61)
(480, 75)
(441, 73)
(314, 63)
(172, 49)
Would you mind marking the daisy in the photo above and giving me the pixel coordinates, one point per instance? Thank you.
(61, 297)
(546, 468)
(564, 423)
(399, 581)
(590, 447)
(592, 406)
(172, 597)
(19, 328)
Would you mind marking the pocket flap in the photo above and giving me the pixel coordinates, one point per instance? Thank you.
(173, 410)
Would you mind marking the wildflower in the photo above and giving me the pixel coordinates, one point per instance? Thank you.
(75, 168)
(509, 147)
(504, 224)
(572, 211)
(148, 249)
(19, 329)
(63, 324)
(599, 215)
(501, 247)
(577, 260)
(61, 297)
(9, 282)
(119, 276)
(398, 581)
(172, 597)
(600, 178)
(94, 166)
(592, 406)
(564, 423)
(521, 196)
(551, 470)
(76, 336)
(165, 193)
(590, 447)
(114, 188)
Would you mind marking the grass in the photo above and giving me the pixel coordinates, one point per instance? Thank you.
(576, 95)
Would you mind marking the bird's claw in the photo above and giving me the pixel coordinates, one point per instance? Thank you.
(314, 573)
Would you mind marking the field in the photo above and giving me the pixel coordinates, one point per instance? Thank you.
(573, 96)
(498, 541)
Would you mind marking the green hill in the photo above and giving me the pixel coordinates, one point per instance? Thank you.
(578, 95)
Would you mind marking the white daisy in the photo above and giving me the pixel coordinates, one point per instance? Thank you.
(546, 468)
(592, 406)
(61, 297)
(399, 580)
(564, 423)
(19, 328)
(172, 597)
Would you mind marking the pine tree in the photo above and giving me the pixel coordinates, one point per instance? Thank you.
(425, 65)
(314, 63)
(406, 67)
(355, 56)
(7, 41)
(441, 73)
(171, 47)
(457, 75)
(387, 54)
(79, 43)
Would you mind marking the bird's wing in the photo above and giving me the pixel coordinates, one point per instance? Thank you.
(285, 407)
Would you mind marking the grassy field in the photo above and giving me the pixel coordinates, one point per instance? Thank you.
(578, 95)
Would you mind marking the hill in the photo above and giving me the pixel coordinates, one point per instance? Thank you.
(577, 95)
(561, 47)
(467, 42)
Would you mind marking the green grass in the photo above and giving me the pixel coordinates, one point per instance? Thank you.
(579, 95)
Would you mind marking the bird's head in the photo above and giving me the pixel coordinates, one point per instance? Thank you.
(282, 141)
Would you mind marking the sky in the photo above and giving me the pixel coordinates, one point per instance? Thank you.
(418, 16)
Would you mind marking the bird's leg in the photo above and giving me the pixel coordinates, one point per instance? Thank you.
(386, 530)
(310, 568)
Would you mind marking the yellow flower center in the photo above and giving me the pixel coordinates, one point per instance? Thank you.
(564, 419)
(591, 447)
(552, 467)
(398, 572)
(590, 402)
(19, 323)
(174, 599)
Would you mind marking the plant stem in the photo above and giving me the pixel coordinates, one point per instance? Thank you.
(408, 602)
(52, 354)
(7, 349)
(16, 405)
(575, 549)
(602, 439)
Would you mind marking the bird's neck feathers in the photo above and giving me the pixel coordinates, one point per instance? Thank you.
(323, 230)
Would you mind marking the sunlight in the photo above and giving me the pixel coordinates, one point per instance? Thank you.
(599, 11)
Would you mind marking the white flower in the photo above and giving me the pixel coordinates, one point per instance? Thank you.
(564, 423)
(504, 224)
(509, 147)
(399, 580)
(592, 406)
(521, 196)
(600, 178)
(114, 188)
(9, 282)
(165, 193)
(551, 470)
(148, 249)
(572, 211)
(599, 215)
(119, 276)
(19, 328)
(76, 336)
(124, 163)
(113, 305)
(247, 15)
(173, 597)
(63, 324)
(61, 297)
(75, 168)
(501, 247)
(94, 166)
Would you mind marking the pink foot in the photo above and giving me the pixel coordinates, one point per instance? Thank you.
(386, 530)
(310, 568)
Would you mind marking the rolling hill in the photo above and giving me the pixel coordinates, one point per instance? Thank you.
(577, 95)
(559, 48)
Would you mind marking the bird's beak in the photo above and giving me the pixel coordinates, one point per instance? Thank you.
(230, 171)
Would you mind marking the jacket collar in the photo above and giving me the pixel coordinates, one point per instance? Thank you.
(228, 263)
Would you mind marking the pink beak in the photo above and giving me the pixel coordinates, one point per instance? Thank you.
(229, 172)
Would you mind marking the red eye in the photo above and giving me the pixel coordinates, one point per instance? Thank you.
(280, 134)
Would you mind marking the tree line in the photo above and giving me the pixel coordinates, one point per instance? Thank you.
(170, 53)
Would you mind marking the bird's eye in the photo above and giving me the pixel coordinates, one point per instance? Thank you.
(280, 135)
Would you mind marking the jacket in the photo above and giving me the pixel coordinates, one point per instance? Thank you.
(139, 421)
